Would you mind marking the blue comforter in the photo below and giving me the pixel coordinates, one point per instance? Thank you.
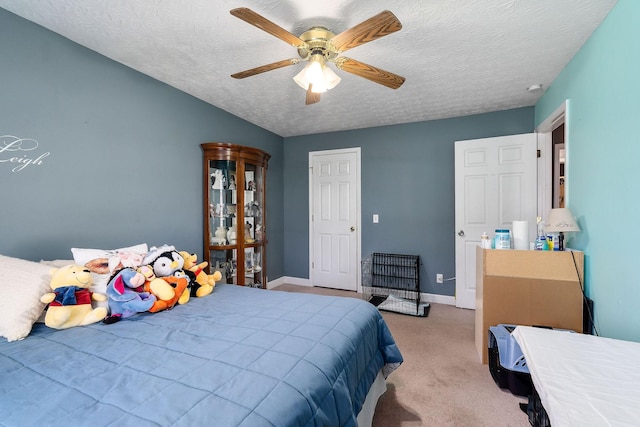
(238, 357)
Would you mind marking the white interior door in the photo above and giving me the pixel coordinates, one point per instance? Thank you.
(334, 180)
(495, 184)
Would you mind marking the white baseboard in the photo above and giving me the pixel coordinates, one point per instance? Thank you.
(431, 298)
(290, 280)
(438, 299)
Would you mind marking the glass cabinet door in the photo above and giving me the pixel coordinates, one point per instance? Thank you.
(254, 233)
(224, 261)
(223, 201)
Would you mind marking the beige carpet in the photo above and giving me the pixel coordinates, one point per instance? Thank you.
(441, 382)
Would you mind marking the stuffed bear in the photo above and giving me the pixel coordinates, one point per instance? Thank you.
(204, 283)
(167, 290)
(70, 301)
(127, 296)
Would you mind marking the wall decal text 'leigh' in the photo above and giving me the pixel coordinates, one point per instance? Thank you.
(18, 153)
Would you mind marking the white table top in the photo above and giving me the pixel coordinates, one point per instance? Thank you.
(583, 380)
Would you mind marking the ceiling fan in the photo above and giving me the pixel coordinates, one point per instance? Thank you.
(319, 45)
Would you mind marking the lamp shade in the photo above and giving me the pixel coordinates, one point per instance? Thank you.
(318, 74)
(331, 79)
(561, 220)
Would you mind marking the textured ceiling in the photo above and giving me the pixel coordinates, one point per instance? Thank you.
(459, 57)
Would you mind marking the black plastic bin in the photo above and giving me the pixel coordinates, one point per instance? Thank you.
(507, 364)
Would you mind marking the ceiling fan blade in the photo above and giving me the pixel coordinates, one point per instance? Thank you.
(373, 28)
(264, 24)
(311, 97)
(370, 72)
(265, 68)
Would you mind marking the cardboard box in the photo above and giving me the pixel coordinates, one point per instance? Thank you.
(527, 288)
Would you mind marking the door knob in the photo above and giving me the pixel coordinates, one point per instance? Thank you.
(353, 228)
(461, 233)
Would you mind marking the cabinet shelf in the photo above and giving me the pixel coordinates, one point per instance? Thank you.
(234, 203)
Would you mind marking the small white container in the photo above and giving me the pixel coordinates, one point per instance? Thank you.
(503, 239)
(485, 243)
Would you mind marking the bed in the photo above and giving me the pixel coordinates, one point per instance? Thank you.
(583, 380)
(238, 357)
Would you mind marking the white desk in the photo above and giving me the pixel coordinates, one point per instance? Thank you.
(583, 380)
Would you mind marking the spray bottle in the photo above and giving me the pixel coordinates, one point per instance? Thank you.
(541, 239)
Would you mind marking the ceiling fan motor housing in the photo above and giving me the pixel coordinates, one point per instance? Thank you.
(317, 41)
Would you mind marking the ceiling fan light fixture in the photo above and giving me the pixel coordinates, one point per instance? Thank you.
(318, 74)
(331, 79)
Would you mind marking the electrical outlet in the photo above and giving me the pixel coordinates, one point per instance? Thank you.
(439, 278)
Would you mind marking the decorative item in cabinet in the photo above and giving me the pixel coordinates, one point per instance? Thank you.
(234, 201)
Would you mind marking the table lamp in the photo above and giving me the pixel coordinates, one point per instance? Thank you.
(561, 220)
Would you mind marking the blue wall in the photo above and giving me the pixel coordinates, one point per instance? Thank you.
(602, 85)
(124, 163)
(407, 178)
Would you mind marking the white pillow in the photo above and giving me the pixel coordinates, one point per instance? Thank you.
(57, 263)
(22, 283)
(103, 262)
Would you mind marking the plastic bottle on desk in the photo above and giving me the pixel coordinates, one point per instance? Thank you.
(485, 243)
(541, 239)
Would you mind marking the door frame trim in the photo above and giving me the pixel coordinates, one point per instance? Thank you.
(312, 155)
(545, 167)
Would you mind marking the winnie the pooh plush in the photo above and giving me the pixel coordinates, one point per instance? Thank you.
(204, 283)
(70, 301)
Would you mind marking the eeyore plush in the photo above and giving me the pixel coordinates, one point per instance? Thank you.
(126, 295)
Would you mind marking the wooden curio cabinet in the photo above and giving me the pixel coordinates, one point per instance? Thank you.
(234, 189)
